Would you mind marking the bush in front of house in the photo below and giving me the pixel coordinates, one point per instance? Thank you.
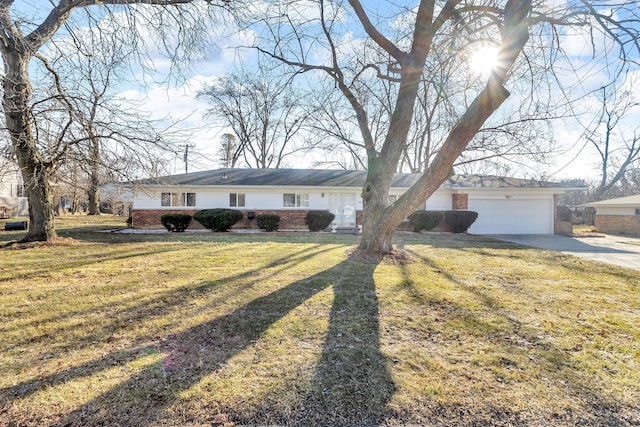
(460, 221)
(425, 220)
(268, 222)
(218, 219)
(175, 222)
(318, 220)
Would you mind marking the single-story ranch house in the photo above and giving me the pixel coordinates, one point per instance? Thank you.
(504, 205)
(618, 216)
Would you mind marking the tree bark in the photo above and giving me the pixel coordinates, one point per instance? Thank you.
(94, 189)
(35, 170)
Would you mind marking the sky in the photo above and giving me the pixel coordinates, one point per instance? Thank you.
(175, 98)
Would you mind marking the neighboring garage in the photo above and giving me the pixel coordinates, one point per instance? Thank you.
(512, 215)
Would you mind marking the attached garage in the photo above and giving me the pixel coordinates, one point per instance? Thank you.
(512, 215)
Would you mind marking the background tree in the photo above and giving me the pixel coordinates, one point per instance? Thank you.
(229, 152)
(265, 111)
(22, 40)
(106, 128)
(398, 54)
(617, 144)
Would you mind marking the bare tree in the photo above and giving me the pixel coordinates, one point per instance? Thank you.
(617, 145)
(22, 40)
(229, 152)
(265, 112)
(91, 68)
(90, 65)
(398, 54)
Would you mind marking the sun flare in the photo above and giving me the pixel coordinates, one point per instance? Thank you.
(483, 60)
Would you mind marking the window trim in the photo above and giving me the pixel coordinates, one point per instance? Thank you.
(174, 196)
(237, 200)
(299, 200)
(21, 191)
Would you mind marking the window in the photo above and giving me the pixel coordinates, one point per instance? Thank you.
(637, 211)
(236, 200)
(20, 191)
(295, 200)
(178, 199)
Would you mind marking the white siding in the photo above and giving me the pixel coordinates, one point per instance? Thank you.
(615, 210)
(439, 201)
(219, 198)
(10, 179)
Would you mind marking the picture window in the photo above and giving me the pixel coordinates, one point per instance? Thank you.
(178, 199)
(295, 200)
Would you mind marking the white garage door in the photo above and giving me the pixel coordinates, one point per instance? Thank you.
(512, 216)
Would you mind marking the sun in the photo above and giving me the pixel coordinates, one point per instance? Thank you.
(482, 60)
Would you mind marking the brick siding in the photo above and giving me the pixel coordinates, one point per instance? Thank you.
(618, 224)
(459, 202)
(149, 219)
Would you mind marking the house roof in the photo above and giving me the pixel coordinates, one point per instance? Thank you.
(619, 201)
(334, 178)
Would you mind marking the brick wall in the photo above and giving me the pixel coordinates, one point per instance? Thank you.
(289, 219)
(618, 224)
(459, 202)
(149, 219)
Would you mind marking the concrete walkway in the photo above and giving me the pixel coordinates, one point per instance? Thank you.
(616, 250)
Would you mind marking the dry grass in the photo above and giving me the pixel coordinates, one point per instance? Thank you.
(111, 329)
(586, 231)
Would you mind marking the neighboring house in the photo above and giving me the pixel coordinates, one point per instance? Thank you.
(115, 199)
(13, 198)
(504, 205)
(618, 216)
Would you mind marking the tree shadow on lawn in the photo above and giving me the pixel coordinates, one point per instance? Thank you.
(351, 384)
(79, 259)
(147, 309)
(520, 341)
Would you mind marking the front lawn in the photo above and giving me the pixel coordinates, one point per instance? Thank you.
(278, 328)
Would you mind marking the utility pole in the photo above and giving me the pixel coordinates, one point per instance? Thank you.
(186, 155)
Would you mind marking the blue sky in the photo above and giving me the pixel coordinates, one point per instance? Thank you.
(164, 97)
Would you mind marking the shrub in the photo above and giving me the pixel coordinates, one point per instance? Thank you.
(425, 220)
(268, 222)
(175, 221)
(318, 220)
(218, 219)
(460, 221)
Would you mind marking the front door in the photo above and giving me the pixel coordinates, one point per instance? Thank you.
(343, 206)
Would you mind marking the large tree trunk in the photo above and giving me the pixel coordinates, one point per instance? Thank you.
(380, 221)
(93, 193)
(35, 171)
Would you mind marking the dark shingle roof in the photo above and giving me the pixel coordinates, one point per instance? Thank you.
(332, 178)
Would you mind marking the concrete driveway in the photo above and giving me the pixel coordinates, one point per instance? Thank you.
(616, 250)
